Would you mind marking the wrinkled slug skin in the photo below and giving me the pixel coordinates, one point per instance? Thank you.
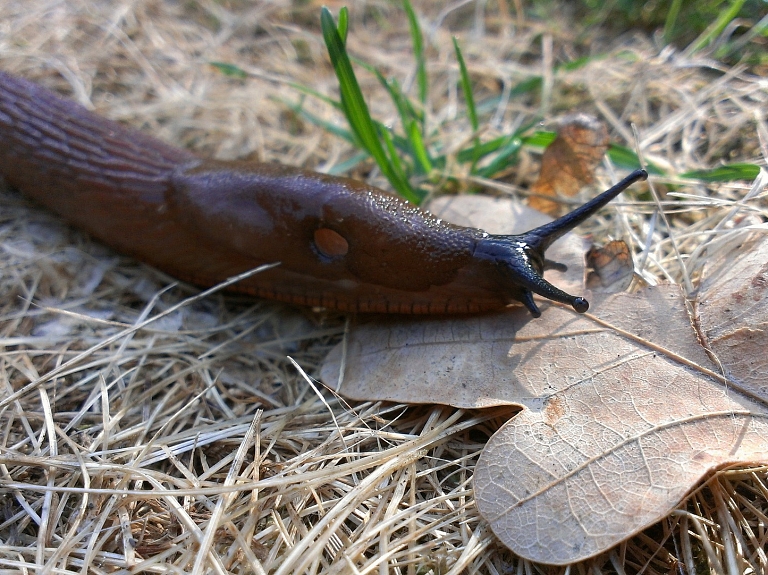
(341, 244)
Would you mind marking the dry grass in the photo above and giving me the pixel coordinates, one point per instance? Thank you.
(152, 430)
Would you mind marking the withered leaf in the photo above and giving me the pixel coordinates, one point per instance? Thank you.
(615, 451)
(732, 312)
(623, 409)
(569, 162)
(611, 267)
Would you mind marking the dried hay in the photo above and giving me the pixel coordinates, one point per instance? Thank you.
(154, 430)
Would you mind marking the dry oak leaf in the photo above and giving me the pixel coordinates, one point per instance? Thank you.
(618, 449)
(624, 410)
(569, 162)
(612, 267)
(733, 315)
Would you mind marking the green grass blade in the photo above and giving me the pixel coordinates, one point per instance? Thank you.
(621, 157)
(418, 53)
(466, 87)
(317, 121)
(230, 70)
(396, 164)
(404, 106)
(355, 108)
(352, 101)
(540, 139)
(412, 123)
(727, 173)
(405, 109)
(527, 86)
(347, 165)
(625, 158)
(469, 98)
(717, 27)
(578, 62)
(671, 20)
(413, 144)
(467, 154)
(419, 149)
(506, 156)
(730, 48)
(315, 94)
(343, 26)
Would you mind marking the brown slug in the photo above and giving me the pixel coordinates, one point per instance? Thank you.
(341, 244)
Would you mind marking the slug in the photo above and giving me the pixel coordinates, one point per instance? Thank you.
(341, 244)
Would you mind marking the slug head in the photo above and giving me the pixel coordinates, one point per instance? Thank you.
(520, 258)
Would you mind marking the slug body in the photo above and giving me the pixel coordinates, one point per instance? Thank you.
(341, 244)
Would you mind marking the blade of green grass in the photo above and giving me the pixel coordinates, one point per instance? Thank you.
(533, 84)
(625, 158)
(418, 53)
(671, 20)
(526, 86)
(622, 157)
(727, 173)
(466, 87)
(413, 144)
(343, 25)
(469, 99)
(540, 139)
(503, 159)
(717, 27)
(405, 109)
(413, 125)
(419, 149)
(347, 165)
(396, 164)
(759, 29)
(356, 110)
(315, 94)
(572, 65)
(484, 149)
(229, 69)
(317, 121)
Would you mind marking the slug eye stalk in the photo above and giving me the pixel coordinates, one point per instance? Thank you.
(521, 257)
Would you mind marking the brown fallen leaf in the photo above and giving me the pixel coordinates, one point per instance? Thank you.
(732, 312)
(569, 162)
(611, 267)
(614, 452)
(623, 408)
